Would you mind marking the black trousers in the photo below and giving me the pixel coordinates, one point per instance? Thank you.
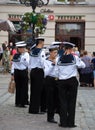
(43, 105)
(36, 81)
(52, 97)
(67, 96)
(21, 80)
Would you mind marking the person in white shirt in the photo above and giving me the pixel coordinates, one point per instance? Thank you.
(68, 85)
(36, 66)
(51, 77)
(19, 72)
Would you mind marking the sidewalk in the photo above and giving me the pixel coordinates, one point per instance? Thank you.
(12, 118)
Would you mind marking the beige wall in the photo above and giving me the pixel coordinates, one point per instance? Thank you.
(87, 11)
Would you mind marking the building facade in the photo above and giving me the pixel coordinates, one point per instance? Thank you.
(74, 22)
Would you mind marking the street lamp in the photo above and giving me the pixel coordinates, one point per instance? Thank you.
(34, 4)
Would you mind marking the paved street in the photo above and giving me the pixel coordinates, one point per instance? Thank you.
(12, 118)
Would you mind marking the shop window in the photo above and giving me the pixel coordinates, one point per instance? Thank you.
(69, 29)
(71, 1)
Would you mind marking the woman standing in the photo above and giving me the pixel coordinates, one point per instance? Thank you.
(19, 73)
(86, 74)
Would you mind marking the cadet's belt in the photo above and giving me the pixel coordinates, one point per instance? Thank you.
(50, 77)
(21, 70)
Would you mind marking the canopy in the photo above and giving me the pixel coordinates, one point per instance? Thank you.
(7, 25)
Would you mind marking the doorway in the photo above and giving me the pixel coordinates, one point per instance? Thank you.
(76, 41)
(71, 32)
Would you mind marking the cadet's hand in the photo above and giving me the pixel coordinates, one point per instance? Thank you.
(53, 63)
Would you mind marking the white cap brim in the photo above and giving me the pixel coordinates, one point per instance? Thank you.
(20, 44)
(23, 45)
(56, 43)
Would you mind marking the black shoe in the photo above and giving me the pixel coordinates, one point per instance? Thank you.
(44, 111)
(62, 125)
(41, 112)
(33, 112)
(52, 121)
(16, 105)
(27, 103)
(72, 126)
(22, 106)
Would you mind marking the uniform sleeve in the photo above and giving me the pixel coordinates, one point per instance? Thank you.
(48, 68)
(42, 59)
(25, 59)
(12, 68)
(79, 62)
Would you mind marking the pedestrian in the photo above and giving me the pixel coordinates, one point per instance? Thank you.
(6, 60)
(1, 54)
(19, 73)
(51, 77)
(93, 61)
(86, 74)
(68, 85)
(36, 66)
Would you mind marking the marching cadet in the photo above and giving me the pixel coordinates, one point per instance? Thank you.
(68, 85)
(51, 76)
(19, 73)
(36, 66)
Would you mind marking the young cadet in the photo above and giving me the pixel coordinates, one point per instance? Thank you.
(36, 76)
(19, 73)
(68, 85)
(51, 76)
(61, 47)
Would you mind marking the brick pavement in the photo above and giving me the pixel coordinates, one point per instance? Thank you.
(12, 118)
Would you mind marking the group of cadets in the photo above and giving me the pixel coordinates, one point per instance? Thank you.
(55, 74)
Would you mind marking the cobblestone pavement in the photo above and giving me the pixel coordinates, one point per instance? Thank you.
(12, 118)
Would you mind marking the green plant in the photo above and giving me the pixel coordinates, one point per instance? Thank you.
(38, 20)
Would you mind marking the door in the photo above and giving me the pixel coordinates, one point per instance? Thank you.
(71, 32)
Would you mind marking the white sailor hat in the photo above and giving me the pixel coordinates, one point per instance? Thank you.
(20, 44)
(68, 45)
(39, 39)
(53, 47)
(56, 43)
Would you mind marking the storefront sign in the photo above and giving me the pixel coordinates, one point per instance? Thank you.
(46, 11)
(69, 17)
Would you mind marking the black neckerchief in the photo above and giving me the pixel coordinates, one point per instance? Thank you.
(17, 57)
(67, 60)
(35, 52)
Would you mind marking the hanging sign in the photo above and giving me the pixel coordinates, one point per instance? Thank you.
(50, 17)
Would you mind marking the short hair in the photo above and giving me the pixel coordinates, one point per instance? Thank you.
(94, 53)
(85, 52)
(38, 40)
(52, 49)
